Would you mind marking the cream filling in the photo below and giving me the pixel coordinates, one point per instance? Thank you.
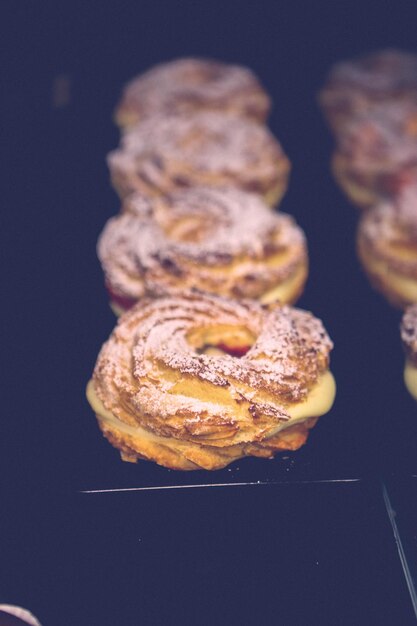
(273, 197)
(318, 402)
(116, 308)
(360, 193)
(287, 291)
(404, 286)
(410, 378)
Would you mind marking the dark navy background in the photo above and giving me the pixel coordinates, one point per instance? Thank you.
(293, 551)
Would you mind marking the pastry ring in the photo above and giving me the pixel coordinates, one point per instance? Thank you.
(186, 86)
(355, 87)
(222, 241)
(387, 247)
(377, 153)
(409, 341)
(164, 154)
(199, 381)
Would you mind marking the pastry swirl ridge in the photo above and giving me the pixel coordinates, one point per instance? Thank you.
(189, 85)
(173, 152)
(160, 394)
(355, 87)
(222, 241)
(377, 153)
(387, 247)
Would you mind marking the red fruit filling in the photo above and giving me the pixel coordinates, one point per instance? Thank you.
(395, 183)
(237, 351)
(121, 301)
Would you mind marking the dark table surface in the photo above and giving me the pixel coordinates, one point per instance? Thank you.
(326, 535)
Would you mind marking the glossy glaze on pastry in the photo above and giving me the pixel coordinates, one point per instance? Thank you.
(167, 388)
(222, 241)
(187, 86)
(164, 154)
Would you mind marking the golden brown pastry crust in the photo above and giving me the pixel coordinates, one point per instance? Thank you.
(222, 241)
(164, 154)
(198, 410)
(194, 457)
(377, 153)
(354, 87)
(387, 246)
(187, 86)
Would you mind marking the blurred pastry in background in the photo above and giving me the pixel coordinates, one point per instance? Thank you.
(409, 340)
(377, 153)
(12, 615)
(186, 86)
(222, 241)
(164, 154)
(355, 87)
(199, 381)
(387, 247)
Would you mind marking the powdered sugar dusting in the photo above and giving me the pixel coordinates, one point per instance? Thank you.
(191, 235)
(381, 72)
(390, 227)
(194, 84)
(385, 133)
(168, 152)
(149, 353)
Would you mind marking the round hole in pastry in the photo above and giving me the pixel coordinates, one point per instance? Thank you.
(159, 395)
(220, 340)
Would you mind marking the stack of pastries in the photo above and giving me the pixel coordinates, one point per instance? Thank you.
(208, 362)
(370, 105)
